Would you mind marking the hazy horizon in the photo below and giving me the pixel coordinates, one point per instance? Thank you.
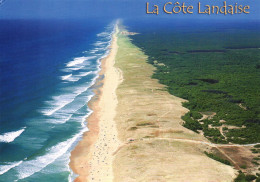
(83, 9)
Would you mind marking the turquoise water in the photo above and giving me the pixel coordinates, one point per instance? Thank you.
(47, 69)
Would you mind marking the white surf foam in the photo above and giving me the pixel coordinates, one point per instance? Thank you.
(59, 102)
(74, 78)
(79, 76)
(6, 168)
(76, 61)
(60, 118)
(64, 115)
(99, 43)
(83, 121)
(76, 68)
(66, 77)
(103, 34)
(82, 74)
(95, 50)
(28, 168)
(11, 136)
(57, 106)
(79, 60)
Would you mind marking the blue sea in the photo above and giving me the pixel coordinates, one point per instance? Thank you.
(47, 68)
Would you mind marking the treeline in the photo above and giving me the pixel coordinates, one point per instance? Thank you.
(213, 156)
(216, 79)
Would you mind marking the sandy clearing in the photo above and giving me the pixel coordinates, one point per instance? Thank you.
(156, 145)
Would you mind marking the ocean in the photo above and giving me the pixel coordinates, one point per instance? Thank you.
(47, 68)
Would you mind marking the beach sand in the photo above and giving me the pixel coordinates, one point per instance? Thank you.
(136, 133)
(156, 147)
(93, 157)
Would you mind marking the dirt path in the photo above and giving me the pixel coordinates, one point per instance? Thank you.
(155, 146)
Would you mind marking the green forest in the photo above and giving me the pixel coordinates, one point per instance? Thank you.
(216, 71)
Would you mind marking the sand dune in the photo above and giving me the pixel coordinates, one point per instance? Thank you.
(136, 131)
(156, 145)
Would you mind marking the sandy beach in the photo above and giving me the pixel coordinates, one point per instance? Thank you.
(93, 157)
(135, 130)
(156, 146)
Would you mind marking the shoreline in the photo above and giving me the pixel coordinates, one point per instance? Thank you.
(157, 147)
(151, 132)
(92, 148)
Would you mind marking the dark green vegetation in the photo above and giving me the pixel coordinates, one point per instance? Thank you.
(246, 178)
(257, 146)
(216, 69)
(213, 156)
(191, 122)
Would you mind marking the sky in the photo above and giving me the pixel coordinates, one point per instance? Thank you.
(81, 9)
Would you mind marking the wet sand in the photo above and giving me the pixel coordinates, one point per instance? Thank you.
(147, 119)
(92, 158)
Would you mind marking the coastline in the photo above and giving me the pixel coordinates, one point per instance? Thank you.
(156, 145)
(100, 142)
(147, 119)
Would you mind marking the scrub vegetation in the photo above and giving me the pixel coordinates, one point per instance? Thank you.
(217, 72)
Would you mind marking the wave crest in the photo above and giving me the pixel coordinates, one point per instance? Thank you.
(11, 136)
(6, 168)
(79, 60)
